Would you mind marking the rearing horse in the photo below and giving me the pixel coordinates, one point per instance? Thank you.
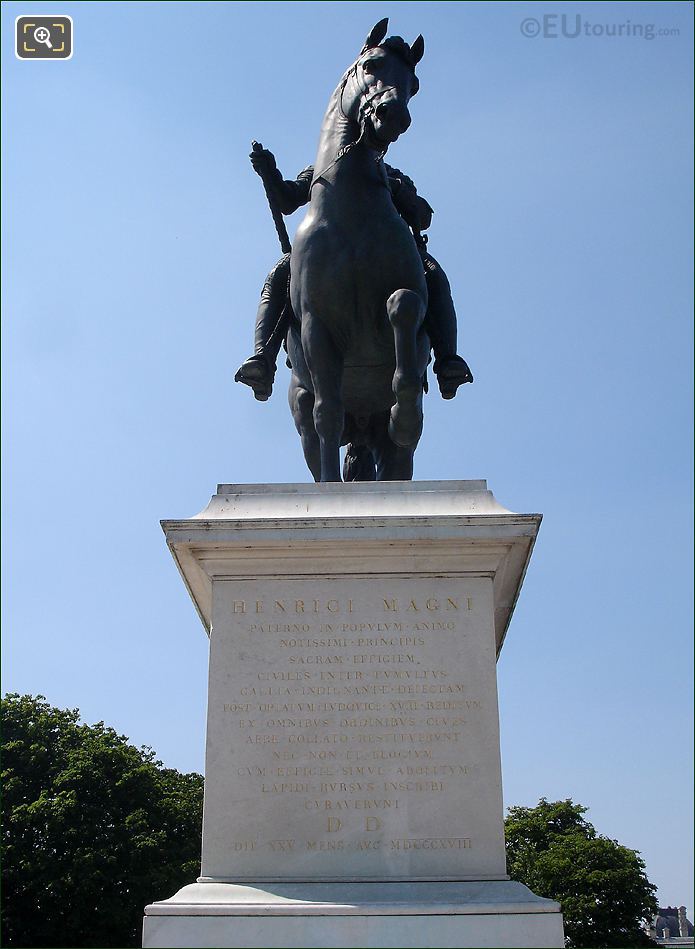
(357, 288)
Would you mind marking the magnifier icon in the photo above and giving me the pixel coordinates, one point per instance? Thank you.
(43, 35)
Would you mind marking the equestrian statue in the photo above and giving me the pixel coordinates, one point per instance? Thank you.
(358, 301)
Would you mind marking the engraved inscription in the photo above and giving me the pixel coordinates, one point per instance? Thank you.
(345, 717)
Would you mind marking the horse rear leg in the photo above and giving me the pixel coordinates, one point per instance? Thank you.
(325, 363)
(406, 312)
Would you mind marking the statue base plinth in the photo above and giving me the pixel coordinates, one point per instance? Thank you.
(305, 915)
(353, 787)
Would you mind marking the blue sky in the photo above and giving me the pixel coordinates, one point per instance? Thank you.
(136, 241)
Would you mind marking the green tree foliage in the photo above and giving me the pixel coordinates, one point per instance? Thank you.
(93, 829)
(601, 885)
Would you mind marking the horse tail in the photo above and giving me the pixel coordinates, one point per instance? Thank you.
(358, 464)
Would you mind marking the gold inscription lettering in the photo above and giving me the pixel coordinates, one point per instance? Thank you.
(281, 845)
(432, 843)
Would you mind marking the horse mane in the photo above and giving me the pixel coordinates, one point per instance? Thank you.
(397, 45)
(411, 54)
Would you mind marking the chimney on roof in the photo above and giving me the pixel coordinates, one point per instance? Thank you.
(682, 921)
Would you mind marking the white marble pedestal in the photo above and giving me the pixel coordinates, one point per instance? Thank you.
(353, 789)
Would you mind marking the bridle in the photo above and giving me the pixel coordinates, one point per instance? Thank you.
(367, 108)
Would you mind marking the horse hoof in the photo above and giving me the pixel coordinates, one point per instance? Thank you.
(405, 425)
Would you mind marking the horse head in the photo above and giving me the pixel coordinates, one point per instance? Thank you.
(379, 85)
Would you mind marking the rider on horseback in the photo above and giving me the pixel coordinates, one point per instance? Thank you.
(273, 316)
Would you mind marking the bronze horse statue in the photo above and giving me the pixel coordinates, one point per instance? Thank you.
(357, 345)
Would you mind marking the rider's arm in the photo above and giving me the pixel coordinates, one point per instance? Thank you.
(295, 193)
(410, 205)
(289, 195)
(395, 179)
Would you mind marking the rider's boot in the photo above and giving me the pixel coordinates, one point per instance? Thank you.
(440, 323)
(451, 372)
(258, 371)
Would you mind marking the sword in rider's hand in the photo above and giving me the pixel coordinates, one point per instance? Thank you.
(274, 210)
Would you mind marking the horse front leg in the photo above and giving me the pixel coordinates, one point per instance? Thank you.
(406, 312)
(302, 408)
(325, 363)
(301, 400)
(393, 463)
